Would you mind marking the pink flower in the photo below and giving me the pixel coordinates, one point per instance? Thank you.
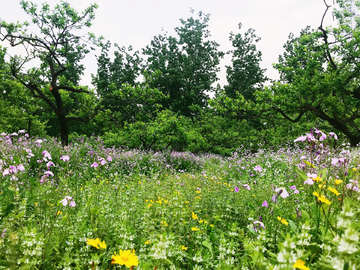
(65, 158)
(265, 204)
(102, 161)
(48, 173)
(95, 165)
(109, 159)
(236, 189)
(334, 161)
(301, 139)
(6, 172)
(66, 200)
(46, 154)
(282, 192)
(49, 164)
(322, 134)
(258, 168)
(72, 204)
(21, 167)
(332, 134)
(246, 186)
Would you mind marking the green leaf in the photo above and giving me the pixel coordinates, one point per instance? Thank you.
(293, 226)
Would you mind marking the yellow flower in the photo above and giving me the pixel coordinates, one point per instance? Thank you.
(194, 216)
(338, 181)
(320, 186)
(283, 221)
(316, 194)
(147, 242)
(354, 169)
(183, 248)
(198, 191)
(195, 229)
(126, 258)
(317, 179)
(333, 190)
(300, 265)
(324, 200)
(58, 213)
(96, 243)
(211, 225)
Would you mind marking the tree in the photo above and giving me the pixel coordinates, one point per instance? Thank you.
(320, 75)
(124, 69)
(59, 47)
(188, 64)
(245, 75)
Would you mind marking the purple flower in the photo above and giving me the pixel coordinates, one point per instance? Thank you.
(334, 161)
(13, 169)
(332, 134)
(95, 165)
(301, 138)
(109, 159)
(265, 204)
(48, 173)
(282, 192)
(258, 168)
(72, 204)
(6, 172)
(49, 164)
(322, 134)
(22, 131)
(293, 187)
(296, 191)
(65, 158)
(236, 189)
(246, 186)
(260, 224)
(46, 154)
(66, 200)
(102, 161)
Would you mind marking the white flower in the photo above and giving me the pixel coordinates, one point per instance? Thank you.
(346, 247)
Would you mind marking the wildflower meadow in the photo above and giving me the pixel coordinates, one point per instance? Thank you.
(87, 206)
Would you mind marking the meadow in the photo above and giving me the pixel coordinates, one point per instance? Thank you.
(86, 206)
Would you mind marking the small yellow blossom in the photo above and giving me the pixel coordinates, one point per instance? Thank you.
(333, 190)
(324, 200)
(283, 221)
(338, 181)
(183, 248)
(211, 225)
(316, 194)
(58, 213)
(198, 191)
(96, 243)
(317, 179)
(354, 169)
(300, 265)
(147, 242)
(194, 229)
(194, 216)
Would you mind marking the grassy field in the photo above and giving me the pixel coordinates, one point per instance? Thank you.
(90, 207)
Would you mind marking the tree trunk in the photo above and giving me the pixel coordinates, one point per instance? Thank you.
(63, 130)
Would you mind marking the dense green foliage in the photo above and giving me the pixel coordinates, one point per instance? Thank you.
(163, 96)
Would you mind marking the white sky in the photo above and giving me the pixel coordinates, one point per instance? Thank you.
(136, 22)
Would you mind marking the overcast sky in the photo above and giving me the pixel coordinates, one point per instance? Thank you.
(136, 22)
